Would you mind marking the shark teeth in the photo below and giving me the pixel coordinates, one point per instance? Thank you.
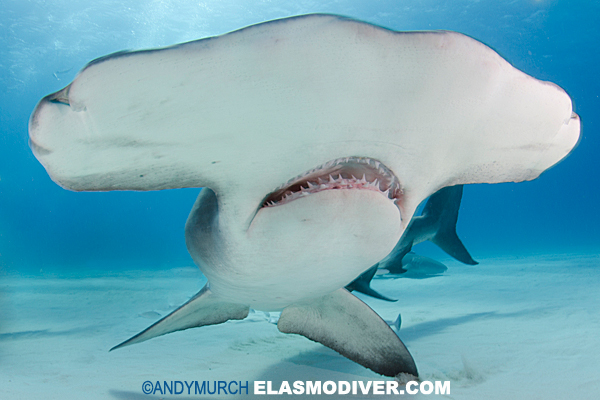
(340, 173)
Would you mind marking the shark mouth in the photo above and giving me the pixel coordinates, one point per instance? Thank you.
(343, 173)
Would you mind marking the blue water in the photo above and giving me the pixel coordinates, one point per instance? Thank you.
(44, 43)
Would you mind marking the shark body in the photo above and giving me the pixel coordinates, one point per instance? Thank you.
(315, 138)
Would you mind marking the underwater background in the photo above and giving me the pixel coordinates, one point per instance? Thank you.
(81, 272)
(43, 44)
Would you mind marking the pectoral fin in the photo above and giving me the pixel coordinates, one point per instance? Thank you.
(202, 309)
(345, 324)
(362, 284)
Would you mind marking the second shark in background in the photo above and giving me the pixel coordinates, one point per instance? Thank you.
(437, 223)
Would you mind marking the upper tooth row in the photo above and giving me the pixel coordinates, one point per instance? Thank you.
(338, 161)
(322, 185)
(340, 179)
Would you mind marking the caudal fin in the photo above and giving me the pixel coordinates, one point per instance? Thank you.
(442, 209)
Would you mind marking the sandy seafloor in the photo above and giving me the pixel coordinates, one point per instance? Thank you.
(512, 328)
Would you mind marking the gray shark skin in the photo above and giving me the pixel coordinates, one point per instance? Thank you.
(362, 284)
(420, 267)
(413, 266)
(314, 139)
(436, 223)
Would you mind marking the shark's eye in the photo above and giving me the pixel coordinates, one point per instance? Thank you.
(358, 173)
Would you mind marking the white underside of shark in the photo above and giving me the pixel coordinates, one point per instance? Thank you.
(317, 137)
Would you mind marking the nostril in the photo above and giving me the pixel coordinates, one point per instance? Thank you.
(37, 149)
(62, 96)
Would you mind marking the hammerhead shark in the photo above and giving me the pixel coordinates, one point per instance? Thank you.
(314, 139)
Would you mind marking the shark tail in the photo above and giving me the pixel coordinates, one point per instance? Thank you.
(202, 309)
(443, 207)
(451, 244)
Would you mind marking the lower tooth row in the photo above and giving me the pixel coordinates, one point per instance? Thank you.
(322, 185)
